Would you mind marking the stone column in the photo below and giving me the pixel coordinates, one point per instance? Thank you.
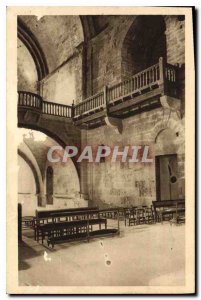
(83, 168)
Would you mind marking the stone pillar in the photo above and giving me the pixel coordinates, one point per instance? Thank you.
(83, 168)
(41, 199)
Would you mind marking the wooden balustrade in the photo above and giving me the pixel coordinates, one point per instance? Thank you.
(170, 73)
(29, 99)
(160, 74)
(94, 102)
(171, 88)
(56, 109)
(136, 83)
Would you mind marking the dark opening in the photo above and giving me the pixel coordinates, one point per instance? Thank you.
(143, 45)
(49, 185)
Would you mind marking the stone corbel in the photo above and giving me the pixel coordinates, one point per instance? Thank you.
(115, 123)
(171, 104)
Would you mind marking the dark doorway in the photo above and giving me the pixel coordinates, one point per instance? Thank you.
(166, 177)
(49, 185)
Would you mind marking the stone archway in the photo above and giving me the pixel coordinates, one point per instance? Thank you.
(175, 126)
(144, 43)
(63, 132)
(29, 40)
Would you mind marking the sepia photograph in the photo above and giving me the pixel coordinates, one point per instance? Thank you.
(101, 173)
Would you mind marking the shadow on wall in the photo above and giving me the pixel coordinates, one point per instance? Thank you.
(26, 188)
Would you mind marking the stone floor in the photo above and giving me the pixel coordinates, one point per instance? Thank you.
(144, 255)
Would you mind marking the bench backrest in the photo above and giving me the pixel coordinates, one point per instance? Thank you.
(168, 203)
(83, 213)
(50, 213)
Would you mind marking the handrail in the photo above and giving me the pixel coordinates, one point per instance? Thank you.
(153, 75)
(29, 99)
(136, 83)
(170, 73)
(161, 73)
(55, 109)
(35, 101)
(96, 101)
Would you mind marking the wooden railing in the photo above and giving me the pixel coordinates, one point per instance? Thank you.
(29, 99)
(160, 74)
(136, 83)
(95, 102)
(171, 88)
(170, 73)
(34, 101)
(56, 109)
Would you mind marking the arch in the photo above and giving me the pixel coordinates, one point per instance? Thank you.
(29, 40)
(143, 44)
(55, 137)
(27, 76)
(88, 27)
(176, 129)
(177, 126)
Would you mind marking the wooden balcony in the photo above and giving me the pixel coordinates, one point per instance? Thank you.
(139, 93)
(34, 102)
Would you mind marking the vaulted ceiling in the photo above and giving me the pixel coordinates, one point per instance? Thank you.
(51, 40)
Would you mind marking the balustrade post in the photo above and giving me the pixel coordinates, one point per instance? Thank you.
(73, 110)
(105, 96)
(41, 103)
(162, 79)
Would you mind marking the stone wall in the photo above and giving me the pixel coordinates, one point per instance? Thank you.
(118, 183)
(58, 36)
(109, 55)
(66, 186)
(64, 85)
(111, 184)
(104, 54)
(26, 189)
(175, 36)
(65, 179)
(61, 39)
(27, 77)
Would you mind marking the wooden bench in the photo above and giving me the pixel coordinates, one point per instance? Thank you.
(50, 216)
(112, 213)
(28, 222)
(81, 236)
(70, 226)
(40, 214)
(70, 230)
(168, 208)
(139, 215)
